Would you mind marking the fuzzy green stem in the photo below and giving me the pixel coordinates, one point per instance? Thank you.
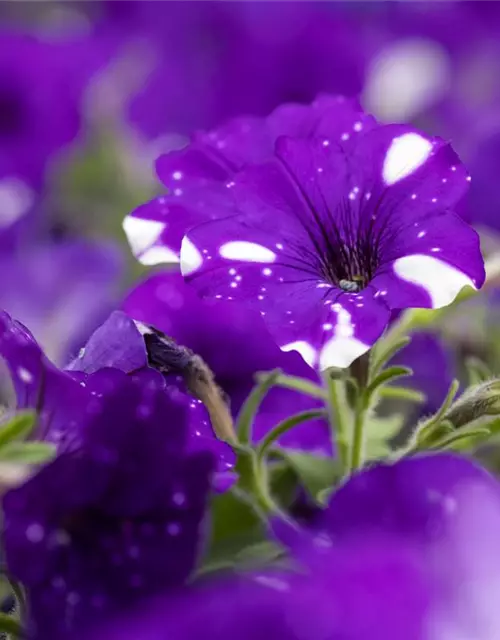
(357, 449)
(339, 413)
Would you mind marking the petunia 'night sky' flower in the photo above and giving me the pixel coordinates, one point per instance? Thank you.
(344, 223)
(114, 517)
(197, 176)
(401, 551)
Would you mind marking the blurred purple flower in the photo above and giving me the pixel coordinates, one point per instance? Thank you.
(324, 239)
(396, 554)
(236, 58)
(40, 97)
(61, 290)
(114, 518)
(433, 366)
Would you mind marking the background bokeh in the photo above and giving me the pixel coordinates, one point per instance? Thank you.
(92, 92)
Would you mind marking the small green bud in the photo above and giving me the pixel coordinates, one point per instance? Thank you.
(477, 402)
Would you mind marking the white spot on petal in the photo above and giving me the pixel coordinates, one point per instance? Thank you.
(441, 280)
(191, 258)
(341, 352)
(158, 255)
(141, 233)
(16, 198)
(306, 350)
(246, 251)
(406, 154)
(35, 532)
(25, 375)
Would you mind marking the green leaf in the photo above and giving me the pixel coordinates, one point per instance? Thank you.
(456, 439)
(10, 625)
(425, 429)
(379, 432)
(316, 473)
(388, 375)
(284, 426)
(387, 352)
(235, 526)
(477, 371)
(18, 427)
(27, 452)
(297, 384)
(402, 393)
(251, 406)
(259, 554)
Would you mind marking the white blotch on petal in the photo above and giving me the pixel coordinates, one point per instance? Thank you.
(307, 351)
(406, 154)
(278, 584)
(158, 255)
(341, 352)
(191, 258)
(405, 78)
(25, 375)
(35, 532)
(16, 198)
(246, 251)
(441, 280)
(141, 233)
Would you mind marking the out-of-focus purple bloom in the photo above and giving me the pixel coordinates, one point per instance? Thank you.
(118, 513)
(39, 103)
(61, 290)
(433, 367)
(396, 554)
(344, 224)
(236, 346)
(238, 58)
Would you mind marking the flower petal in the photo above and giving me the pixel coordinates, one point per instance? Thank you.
(221, 339)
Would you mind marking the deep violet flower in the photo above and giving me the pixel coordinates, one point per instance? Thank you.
(345, 222)
(401, 551)
(118, 513)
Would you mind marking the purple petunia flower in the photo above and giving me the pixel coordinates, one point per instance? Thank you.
(118, 513)
(401, 551)
(345, 222)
